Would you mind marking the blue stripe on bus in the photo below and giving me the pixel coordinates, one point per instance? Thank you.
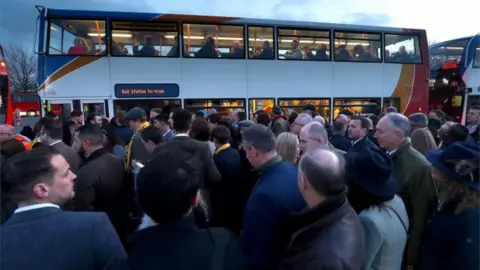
(469, 54)
(52, 64)
(89, 14)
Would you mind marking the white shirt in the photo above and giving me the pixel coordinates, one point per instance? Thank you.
(168, 131)
(53, 143)
(355, 142)
(391, 152)
(35, 206)
(181, 135)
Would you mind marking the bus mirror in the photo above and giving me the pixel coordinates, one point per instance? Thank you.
(35, 37)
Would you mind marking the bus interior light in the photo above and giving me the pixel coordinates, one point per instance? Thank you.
(113, 35)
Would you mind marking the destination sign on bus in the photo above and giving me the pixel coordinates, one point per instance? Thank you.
(146, 90)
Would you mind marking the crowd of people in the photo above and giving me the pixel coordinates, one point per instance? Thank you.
(168, 189)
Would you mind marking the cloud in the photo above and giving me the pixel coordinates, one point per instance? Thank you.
(406, 14)
(379, 19)
(13, 29)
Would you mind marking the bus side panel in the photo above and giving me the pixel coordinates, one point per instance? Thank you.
(214, 78)
(358, 80)
(76, 77)
(399, 82)
(145, 70)
(289, 78)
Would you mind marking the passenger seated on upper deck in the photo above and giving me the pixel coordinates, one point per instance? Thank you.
(266, 52)
(321, 52)
(360, 54)
(342, 54)
(236, 51)
(401, 56)
(147, 47)
(208, 49)
(118, 48)
(78, 47)
(174, 50)
(295, 52)
(307, 53)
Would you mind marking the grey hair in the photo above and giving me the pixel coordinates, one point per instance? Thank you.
(419, 119)
(319, 119)
(303, 119)
(316, 130)
(260, 137)
(399, 122)
(324, 170)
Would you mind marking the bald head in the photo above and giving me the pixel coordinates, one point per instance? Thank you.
(342, 118)
(323, 170)
(319, 119)
(6, 132)
(316, 131)
(303, 119)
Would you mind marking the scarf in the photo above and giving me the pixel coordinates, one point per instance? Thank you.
(128, 148)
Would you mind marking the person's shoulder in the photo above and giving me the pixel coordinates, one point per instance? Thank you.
(84, 216)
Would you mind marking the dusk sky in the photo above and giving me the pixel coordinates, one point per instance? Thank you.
(443, 20)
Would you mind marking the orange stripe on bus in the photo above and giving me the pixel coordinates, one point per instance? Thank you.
(70, 67)
(404, 89)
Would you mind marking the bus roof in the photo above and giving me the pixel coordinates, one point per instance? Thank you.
(118, 15)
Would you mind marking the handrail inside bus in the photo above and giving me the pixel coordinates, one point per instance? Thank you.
(216, 36)
(188, 38)
(99, 36)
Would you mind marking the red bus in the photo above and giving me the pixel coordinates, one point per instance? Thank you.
(6, 109)
(28, 104)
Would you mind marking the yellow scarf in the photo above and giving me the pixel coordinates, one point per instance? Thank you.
(128, 148)
(221, 148)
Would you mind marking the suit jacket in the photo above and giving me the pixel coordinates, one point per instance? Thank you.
(169, 135)
(206, 167)
(51, 239)
(361, 145)
(412, 172)
(340, 142)
(104, 190)
(69, 154)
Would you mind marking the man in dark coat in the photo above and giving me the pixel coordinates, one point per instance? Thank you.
(328, 233)
(173, 241)
(40, 235)
(100, 184)
(208, 172)
(51, 134)
(274, 197)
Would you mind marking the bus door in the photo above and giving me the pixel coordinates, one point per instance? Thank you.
(61, 108)
(97, 106)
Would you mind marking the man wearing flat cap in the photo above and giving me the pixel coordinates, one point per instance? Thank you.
(136, 120)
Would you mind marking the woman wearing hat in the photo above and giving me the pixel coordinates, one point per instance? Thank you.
(451, 237)
(383, 215)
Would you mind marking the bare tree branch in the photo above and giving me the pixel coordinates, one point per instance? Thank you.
(22, 68)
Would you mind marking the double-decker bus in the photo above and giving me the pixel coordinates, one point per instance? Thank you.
(6, 110)
(455, 76)
(26, 103)
(102, 61)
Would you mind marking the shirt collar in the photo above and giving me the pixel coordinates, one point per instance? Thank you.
(268, 165)
(168, 131)
(35, 206)
(181, 135)
(55, 142)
